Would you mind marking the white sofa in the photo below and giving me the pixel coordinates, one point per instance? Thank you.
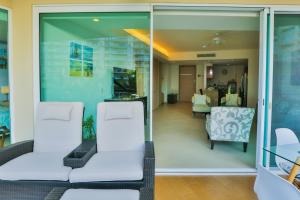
(57, 131)
(120, 145)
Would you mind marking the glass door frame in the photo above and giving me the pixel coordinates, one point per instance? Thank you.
(264, 11)
(269, 89)
(10, 74)
(263, 88)
(39, 9)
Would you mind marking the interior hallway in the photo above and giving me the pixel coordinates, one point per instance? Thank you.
(181, 142)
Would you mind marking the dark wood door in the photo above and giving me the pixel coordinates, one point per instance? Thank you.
(187, 82)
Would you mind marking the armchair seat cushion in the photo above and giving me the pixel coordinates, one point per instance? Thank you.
(201, 108)
(36, 166)
(93, 194)
(111, 166)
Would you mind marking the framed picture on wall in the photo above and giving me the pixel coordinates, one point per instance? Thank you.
(81, 60)
(75, 51)
(88, 69)
(87, 54)
(75, 68)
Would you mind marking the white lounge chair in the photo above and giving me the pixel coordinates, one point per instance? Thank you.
(57, 131)
(121, 153)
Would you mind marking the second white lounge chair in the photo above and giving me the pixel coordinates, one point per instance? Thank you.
(120, 145)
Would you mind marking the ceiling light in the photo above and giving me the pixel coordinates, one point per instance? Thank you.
(217, 40)
(96, 20)
(211, 72)
(204, 46)
(144, 38)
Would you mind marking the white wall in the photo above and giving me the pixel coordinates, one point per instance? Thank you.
(200, 76)
(234, 72)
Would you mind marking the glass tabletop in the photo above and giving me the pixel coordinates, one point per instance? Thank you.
(289, 152)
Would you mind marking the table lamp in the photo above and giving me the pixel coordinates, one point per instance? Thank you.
(5, 90)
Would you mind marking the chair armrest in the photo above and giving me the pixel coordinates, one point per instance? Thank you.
(149, 165)
(56, 193)
(81, 155)
(208, 100)
(15, 150)
(149, 149)
(146, 194)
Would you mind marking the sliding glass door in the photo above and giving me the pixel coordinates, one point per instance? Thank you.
(284, 75)
(95, 57)
(4, 81)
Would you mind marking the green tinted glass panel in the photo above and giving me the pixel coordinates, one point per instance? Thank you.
(4, 80)
(95, 57)
(286, 76)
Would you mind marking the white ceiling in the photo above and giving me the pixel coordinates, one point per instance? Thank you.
(189, 31)
(193, 40)
(175, 32)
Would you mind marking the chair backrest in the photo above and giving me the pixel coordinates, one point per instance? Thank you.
(269, 186)
(120, 126)
(213, 94)
(232, 99)
(231, 123)
(200, 99)
(285, 136)
(58, 126)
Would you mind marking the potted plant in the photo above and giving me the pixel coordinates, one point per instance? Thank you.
(88, 128)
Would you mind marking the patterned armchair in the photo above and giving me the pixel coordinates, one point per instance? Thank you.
(200, 104)
(229, 124)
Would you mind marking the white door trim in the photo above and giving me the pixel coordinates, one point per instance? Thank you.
(11, 74)
(262, 85)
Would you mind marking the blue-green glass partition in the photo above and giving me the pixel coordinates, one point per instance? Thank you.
(286, 75)
(4, 78)
(93, 57)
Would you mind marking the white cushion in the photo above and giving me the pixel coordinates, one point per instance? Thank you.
(110, 166)
(118, 111)
(200, 99)
(36, 166)
(93, 194)
(120, 134)
(56, 112)
(58, 135)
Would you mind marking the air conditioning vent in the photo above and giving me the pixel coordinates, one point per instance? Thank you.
(205, 55)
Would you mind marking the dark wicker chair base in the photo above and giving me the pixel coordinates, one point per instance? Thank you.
(36, 190)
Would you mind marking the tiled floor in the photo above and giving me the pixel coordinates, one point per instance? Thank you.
(181, 142)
